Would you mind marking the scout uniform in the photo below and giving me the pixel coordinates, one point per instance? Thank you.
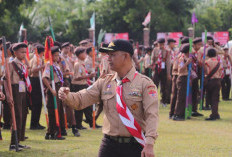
(80, 70)
(139, 96)
(226, 81)
(161, 60)
(20, 86)
(67, 65)
(195, 75)
(58, 79)
(181, 84)
(214, 83)
(36, 94)
(147, 62)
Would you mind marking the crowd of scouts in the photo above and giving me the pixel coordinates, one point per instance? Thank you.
(165, 63)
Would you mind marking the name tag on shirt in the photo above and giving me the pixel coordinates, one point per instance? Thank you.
(22, 87)
(163, 65)
(227, 71)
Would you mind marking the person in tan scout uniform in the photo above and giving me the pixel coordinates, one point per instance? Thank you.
(79, 82)
(226, 81)
(140, 96)
(36, 95)
(16, 70)
(183, 63)
(58, 79)
(213, 67)
(67, 70)
(147, 62)
(196, 74)
(175, 64)
(161, 61)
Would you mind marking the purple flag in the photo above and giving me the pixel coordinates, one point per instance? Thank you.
(194, 18)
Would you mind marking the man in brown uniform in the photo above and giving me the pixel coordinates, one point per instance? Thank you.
(213, 71)
(139, 94)
(226, 81)
(67, 67)
(52, 130)
(161, 60)
(37, 65)
(79, 82)
(196, 74)
(17, 71)
(183, 63)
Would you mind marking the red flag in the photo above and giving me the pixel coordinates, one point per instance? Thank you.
(27, 55)
(147, 19)
(47, 52)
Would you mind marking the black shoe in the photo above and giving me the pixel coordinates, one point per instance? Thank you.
(178, 118)
(47, 136)
(52, 137)
(81, 128)
(98, 126)
(24, 146)
(211, 119)
(85, 120)
(197, 114)
(13, 148)
(64, 133)
(26, 138)
(40, 127)
(75, 132)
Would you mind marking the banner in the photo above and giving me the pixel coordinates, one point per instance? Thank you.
(176, 36)
(112, 36)
(222, 37)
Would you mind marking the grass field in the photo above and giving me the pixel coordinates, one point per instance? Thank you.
(191, 138)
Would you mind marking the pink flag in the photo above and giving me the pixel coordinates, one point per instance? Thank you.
(147, 19)
(194, 18)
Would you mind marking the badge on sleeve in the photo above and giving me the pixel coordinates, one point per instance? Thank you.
(152, 93)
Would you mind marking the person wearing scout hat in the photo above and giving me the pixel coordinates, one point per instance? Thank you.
(226, 82)
(52, 132)
(36, 64)
(183, 63)
(147, 62)
(161, 61)
(81, 81)
(124, 94)
(213, 69)
(184, 40)
(20, 86)
(196, 74)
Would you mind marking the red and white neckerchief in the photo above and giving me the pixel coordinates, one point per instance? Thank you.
(126, 116)
(86, 72)
(27, 80)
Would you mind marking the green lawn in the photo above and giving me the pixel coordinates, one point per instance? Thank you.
(191, 138)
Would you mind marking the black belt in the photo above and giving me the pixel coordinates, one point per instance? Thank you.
(121, 139)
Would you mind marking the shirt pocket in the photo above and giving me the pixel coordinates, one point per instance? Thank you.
(134, 103)
(109, 102)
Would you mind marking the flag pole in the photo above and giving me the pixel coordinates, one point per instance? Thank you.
(202, 73)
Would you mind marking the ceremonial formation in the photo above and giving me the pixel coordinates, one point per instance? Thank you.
(124, 80)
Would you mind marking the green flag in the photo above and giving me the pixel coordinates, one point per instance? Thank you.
(100, 36)
(92, 21)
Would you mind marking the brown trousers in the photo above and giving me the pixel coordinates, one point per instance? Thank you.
(212, 95)
(52, 128)
(226, 85)
(21, 111)
(174, 95)
(6, 112)
(181, 96)
(195, 90)
(87, 111)
(161, 77)
(36, 97)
